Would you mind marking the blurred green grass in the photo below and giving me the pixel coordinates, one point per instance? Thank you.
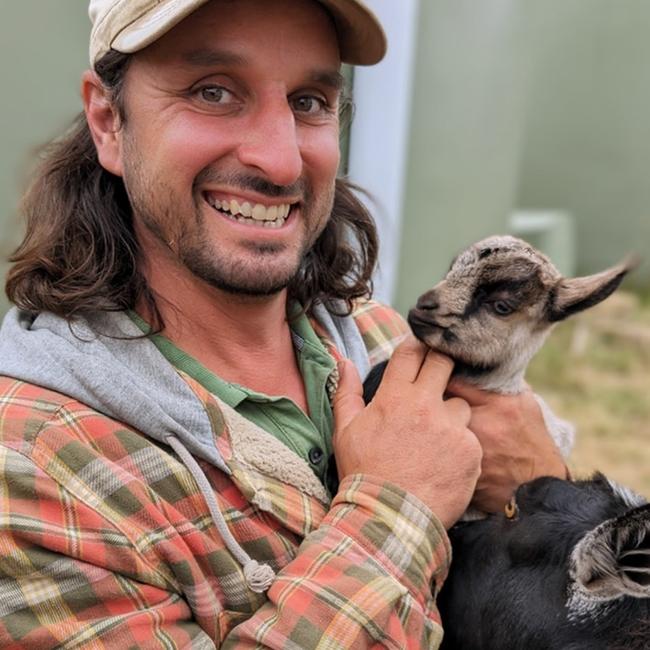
(594, 370)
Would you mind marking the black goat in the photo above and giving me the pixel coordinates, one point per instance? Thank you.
(566, 567)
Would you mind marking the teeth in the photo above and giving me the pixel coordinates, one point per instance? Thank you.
(278, 223)
(273, 217)
(259, 212)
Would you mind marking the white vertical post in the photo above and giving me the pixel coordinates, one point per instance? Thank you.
(380, 132)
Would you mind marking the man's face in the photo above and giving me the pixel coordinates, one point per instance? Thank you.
(230, 144)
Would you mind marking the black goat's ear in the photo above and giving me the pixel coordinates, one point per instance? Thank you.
(572, 295)
(613, 560)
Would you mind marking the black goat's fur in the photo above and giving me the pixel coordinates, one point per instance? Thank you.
(509, 586)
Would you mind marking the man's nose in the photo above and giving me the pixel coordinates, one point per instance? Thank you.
(270, 144)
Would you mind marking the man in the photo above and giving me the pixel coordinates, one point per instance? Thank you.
(184, 291)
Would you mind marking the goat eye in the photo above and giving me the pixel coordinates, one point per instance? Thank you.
(512, 509)
(502, 308)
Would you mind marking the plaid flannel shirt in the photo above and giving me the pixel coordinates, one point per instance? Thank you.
(107, 542)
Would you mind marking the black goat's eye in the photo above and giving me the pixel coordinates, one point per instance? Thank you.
(512, 509)
(502, 308)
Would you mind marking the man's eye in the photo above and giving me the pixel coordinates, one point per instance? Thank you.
(308, 104)
(216, 95)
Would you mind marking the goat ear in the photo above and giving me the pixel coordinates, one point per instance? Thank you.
(572, 295)
(614, 559)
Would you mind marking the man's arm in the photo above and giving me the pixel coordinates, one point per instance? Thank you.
(73, 577)
(364, 579)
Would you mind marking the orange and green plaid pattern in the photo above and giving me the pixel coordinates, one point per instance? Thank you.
(107, 542)
(381, 328)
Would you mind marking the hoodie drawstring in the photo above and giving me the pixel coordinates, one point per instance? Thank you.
(259, 577)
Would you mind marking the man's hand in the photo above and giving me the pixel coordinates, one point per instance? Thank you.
(409, 435)
(516, 445)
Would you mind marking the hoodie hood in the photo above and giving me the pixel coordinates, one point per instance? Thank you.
(103, 361)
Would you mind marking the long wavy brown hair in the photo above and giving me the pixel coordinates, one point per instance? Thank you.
(80, 252)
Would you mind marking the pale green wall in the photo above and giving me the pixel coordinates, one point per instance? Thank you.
(587, 146)
(466, 131)
(43, 47)
(528, 104)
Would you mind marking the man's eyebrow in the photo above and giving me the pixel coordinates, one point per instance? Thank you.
(206, 57)
(331, 78)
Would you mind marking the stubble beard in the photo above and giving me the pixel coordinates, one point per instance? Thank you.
(266, 270)
(255, 276)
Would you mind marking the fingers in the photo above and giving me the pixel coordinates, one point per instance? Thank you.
(406, 361)
(348, 400)
(471, 394)
(435, 372)
(412, 357)
(459, 410)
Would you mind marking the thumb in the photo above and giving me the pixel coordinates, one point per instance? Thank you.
(471, 394)
(348, 400)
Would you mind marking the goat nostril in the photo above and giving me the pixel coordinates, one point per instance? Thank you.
(428, 302)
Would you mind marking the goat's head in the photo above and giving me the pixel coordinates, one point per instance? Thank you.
(496, 305)
(568, 566)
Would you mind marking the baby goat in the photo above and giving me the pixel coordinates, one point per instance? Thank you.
(494, 309)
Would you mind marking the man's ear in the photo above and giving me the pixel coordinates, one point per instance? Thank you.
(103, 121)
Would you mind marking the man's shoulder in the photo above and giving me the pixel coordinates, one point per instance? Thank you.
(26, 408)
(381, 327)
(25, 395)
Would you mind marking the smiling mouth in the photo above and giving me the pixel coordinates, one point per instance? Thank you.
(258, 214)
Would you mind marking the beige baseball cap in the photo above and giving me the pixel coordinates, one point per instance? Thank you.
(130, 25)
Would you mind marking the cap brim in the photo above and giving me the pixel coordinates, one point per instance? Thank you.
(361, 38)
